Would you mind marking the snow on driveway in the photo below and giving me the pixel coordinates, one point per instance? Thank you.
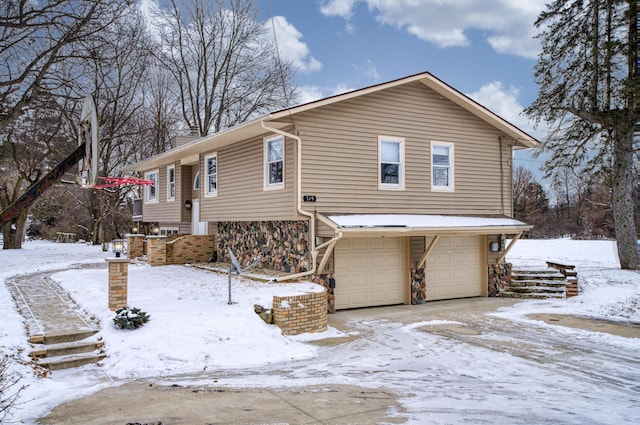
(499, 368)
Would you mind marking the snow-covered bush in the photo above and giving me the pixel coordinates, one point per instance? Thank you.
(130, 318)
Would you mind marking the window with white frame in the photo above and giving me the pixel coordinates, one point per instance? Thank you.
(442, 166)
(211, 174)
(196, 181)
(391, 159)
(151, 190)
(171, 183)
(274, 163)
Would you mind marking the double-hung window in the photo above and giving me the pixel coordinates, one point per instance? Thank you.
(171, 183)
(274, 163)
(151, 190)
(442, 166)
(391, 161)
(211, 174)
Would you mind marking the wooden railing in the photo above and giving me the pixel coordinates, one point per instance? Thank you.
(570, 275)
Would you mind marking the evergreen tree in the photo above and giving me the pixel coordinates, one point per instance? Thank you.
(589, 92)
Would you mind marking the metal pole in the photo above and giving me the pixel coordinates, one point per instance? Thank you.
(230, 269)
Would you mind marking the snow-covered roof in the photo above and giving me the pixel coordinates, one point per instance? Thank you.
(411, 223)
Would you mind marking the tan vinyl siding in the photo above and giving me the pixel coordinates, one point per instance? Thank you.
(241, 195)
(340, 155)
(163, 211)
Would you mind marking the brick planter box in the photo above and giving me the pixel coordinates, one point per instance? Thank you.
(297, 314)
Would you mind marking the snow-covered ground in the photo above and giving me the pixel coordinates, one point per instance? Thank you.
(194, 331)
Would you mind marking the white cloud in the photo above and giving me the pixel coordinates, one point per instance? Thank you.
(341, 8)
(507, 24)
(290, 45)
(504, 102)
(308, 94)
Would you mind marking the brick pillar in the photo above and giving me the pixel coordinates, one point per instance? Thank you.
(157, 250)
(118, 281)
(135, 245)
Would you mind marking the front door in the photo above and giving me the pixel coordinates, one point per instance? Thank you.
(199, 227)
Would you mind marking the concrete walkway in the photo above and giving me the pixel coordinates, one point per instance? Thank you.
(47, 308)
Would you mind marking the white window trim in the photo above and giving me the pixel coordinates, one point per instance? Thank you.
(147, 188)
(169, 231)
(451, 186)
(265, 148)
(400, 184)
(170, 183)
(196, 179)
(214, 193)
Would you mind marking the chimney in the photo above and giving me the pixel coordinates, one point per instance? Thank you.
(184, 139)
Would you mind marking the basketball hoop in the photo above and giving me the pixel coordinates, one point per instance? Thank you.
(121, 181)
(88, 134)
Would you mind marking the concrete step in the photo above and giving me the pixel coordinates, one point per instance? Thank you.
(537, 289)
(66, 348)
(61, 337)
(530, 295)
(70, 361)
(542, 283)
(529, 275)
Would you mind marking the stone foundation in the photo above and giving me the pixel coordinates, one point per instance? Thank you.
(297, 314)
(329, 283)
(499, 278)
(281, 245)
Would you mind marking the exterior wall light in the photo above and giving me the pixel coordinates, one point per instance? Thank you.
(494, 246)
(187, 204)
(156, 230)
(134, 230)
(117, 246)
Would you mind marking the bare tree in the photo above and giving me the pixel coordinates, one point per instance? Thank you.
(589, 88)
(36, 37)
(224, 67)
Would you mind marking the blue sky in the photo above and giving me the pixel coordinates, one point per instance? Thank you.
(484, 48)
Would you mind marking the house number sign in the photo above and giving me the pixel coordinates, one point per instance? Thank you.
(309, 198)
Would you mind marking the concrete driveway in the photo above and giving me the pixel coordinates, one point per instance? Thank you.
(444, 362)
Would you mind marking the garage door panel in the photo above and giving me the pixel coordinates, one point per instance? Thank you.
(369, 272)
(454, 268)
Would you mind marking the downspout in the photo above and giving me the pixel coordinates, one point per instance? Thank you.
(312, 222)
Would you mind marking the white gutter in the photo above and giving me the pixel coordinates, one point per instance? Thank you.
(312, 219)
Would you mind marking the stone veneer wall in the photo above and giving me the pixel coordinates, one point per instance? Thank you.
(499, 277)
(326, 280)
(297, 314)
(282, 245)
(190, 249)
(418, 286)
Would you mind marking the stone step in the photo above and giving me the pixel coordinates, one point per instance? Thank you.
(543, 283)
(66, 348)
(70, 361)
(61, 337)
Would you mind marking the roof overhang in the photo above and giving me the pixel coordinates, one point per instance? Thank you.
(369, 225)
(188, 153)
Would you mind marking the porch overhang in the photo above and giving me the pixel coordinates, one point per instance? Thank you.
(370, 225)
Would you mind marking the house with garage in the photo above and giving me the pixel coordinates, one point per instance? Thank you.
(395, 193)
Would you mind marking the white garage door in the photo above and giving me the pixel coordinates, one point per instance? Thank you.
(369, 272)
(454, 268)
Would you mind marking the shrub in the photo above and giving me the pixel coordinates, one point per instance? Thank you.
(10, 387)
(130, 318)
